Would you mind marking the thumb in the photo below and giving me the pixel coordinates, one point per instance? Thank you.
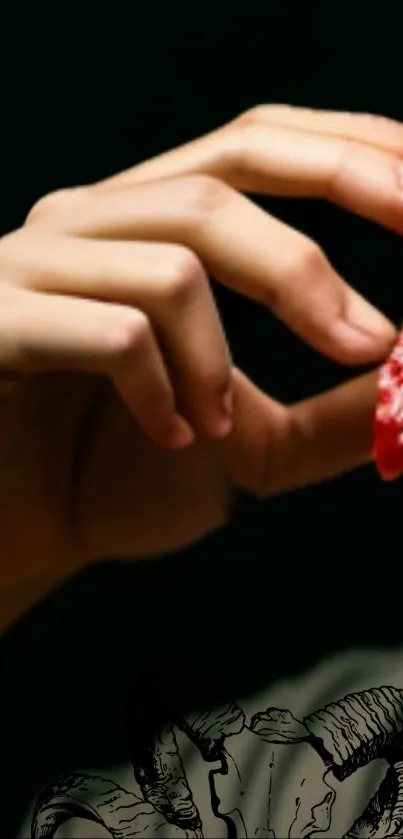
(274, 448)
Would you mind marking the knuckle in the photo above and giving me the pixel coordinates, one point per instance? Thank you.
(259, 114)
(246, 138)
(203, 195)
(302, 269)
(307, 260)
(216, 379)
(9, 246)
(252, 116)
(128, 332)
(54, 204)
(45, 206)
(15, 250)
(184, 274)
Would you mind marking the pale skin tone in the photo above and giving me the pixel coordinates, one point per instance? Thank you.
(125, 429)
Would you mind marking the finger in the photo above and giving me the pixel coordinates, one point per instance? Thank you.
(167, 283)
(328, 434)
(245, 248)
(369, 129)
(42, 333)
(274, 448)
(357, 167)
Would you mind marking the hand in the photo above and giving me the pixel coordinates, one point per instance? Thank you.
(113, 353)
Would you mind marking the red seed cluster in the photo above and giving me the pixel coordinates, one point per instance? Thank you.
(388, 419)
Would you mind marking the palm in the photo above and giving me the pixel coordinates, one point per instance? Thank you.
(39, 419)
(74, 467)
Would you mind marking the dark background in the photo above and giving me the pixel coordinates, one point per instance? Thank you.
(294, 578)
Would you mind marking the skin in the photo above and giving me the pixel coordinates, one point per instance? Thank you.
(125, 428)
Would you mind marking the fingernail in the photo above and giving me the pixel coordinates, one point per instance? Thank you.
(223, 422)
(179, 433)
(365, 318)
(228, 402)
(368, 345)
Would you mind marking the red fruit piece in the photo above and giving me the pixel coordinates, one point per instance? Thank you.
(388, 419)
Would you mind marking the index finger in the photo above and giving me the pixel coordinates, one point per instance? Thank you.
(242, 246)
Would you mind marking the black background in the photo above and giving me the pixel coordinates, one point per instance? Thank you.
(299, 576)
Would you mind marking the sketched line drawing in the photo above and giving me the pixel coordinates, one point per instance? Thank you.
(343, 737)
